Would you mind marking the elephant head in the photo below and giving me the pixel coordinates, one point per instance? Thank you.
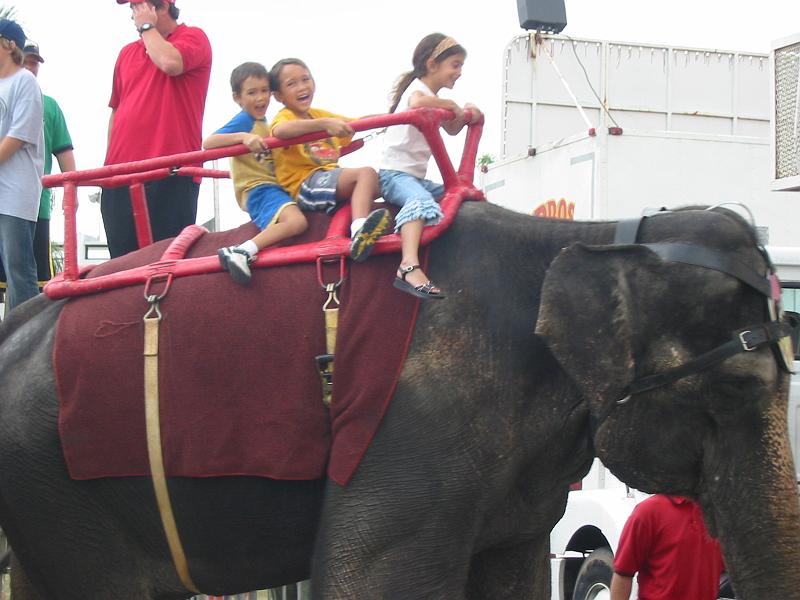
(613, 315)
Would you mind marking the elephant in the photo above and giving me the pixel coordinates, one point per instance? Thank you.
(541, 358)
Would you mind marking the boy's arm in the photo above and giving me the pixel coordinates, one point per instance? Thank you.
(220, 140)
(9, 145)
(296, 127)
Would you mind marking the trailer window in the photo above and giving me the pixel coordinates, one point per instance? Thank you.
(790, 298)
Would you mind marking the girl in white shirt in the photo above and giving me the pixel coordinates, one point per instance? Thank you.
(437, 63)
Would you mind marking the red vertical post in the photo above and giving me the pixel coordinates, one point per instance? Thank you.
(141, 216)
(428, 123)
(466, 170)
(70, 231)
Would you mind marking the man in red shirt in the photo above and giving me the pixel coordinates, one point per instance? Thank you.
(666, 542)
(157, 103)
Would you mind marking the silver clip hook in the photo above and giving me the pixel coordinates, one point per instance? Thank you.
(333, 295)
(153, 299)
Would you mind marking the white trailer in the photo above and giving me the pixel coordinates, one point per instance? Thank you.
(606, 130)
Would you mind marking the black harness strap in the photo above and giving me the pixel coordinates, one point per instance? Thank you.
(691, 254)
(746, 340)
(627, 231)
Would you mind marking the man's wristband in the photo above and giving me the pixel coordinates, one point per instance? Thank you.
(145, 27)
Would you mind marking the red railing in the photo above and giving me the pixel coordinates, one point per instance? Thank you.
(458, 187)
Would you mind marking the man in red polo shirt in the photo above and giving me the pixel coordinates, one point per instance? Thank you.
(666, 542)
(157, 101)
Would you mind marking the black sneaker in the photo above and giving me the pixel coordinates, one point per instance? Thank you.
(237, 262)
(365, 238)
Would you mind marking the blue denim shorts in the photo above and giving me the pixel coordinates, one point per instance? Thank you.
(318, 191)
(417, 197)
(265, 203)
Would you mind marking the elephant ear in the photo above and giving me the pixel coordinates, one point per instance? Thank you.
(591, 315)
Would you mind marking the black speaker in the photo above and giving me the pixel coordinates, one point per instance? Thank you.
(542, 15)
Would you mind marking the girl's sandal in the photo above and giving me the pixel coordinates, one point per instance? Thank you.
(425, 291)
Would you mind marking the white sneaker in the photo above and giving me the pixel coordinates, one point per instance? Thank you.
(237, 262)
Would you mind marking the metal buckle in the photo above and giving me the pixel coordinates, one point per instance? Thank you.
(745, 344)
(333, 297)
(152, 298)
(325, 369)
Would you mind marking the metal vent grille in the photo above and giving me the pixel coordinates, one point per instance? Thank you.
(787, 111)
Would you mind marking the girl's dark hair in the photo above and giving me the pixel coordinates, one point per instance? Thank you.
(275, 71)
(245, 70)
(173, 10)
(422, 53)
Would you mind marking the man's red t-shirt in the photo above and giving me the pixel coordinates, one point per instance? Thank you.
(155, 114)
(666, 542)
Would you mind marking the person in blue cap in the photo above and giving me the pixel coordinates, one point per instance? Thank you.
(58, 143)
(21, 165)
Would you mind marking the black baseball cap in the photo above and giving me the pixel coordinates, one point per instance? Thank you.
(32, 49)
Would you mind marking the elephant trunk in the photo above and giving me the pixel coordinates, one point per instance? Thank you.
(751, 503)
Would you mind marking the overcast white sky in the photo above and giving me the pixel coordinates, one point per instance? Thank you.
(356, 49)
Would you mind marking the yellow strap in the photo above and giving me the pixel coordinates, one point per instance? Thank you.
(154, 450)
(331, 323)
(331, 310)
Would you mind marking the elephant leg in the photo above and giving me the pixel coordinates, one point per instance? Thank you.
(21, 588)
(520, 571)
(369, 547)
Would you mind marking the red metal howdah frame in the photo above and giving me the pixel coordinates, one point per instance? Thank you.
(458, 187)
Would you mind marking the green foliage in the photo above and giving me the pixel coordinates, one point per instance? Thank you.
(486, 159)
(7, 12)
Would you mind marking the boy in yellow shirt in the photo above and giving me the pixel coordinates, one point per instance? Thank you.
(310, 172)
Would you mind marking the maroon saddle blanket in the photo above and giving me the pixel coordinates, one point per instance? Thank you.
(240, 393)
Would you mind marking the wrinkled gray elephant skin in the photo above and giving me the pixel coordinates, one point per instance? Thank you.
(494, 416)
